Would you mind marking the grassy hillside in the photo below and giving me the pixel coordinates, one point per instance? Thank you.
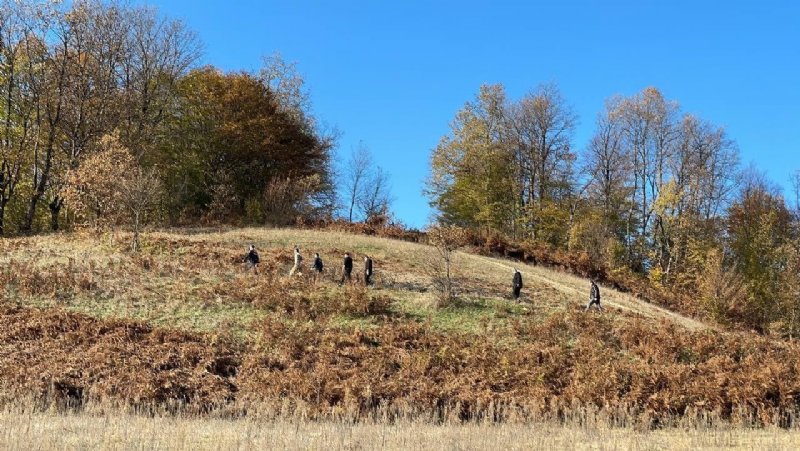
(182, 326)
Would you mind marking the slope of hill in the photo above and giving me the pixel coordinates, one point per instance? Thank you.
(183, 326)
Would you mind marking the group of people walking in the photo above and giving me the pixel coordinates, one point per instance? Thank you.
(594, 291)
(252, 260)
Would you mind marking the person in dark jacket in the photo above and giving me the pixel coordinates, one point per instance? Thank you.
(367, 270)
(517, 284)
(318, 266)
(594, 297)
(252, 259)
(347, 268)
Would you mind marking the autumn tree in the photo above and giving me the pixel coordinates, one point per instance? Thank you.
(48, 51)
(98, 43)
(159, 52)
(723, 293)
(647, 125)
(789, 323)
(703, 174)
(93, 191)
(17, 106)
(110, 188)
(229, 139)
(541, 128)
(287, 85)
(607, 164)
(758, 226)
(662, 179)
(472, 181)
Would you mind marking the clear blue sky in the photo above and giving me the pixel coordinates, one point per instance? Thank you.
(393, 73)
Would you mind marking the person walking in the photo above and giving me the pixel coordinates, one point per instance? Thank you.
(367, 270)
(594, 297)
(318, 266)
(347, 268)
(516, 284)
(252, 259)
(298, 263)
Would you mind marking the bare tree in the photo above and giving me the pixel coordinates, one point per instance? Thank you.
(158, 52)
(608, 166)
(705, 165)
(542, 125)
(288, 86)
(649, 135)
(356, 173)
(442, 263)
(376, 196)
(139, 193)
(795, 181)
(49, 75)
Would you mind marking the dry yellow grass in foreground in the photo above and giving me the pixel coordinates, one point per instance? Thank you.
(50, 431)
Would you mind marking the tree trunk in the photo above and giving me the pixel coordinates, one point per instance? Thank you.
(27, 225)
(2, 218)
(135, 243)
(53, 119)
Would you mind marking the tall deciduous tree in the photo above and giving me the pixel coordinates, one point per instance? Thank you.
(472, 180)
(508, 166)
(542, 125)
(159, 52)
(608, 166)
(20, 104)
(229, 135)
(47, 38)
(758, 227)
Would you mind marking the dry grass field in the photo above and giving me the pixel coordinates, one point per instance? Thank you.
(211, 356)
(52, 432)
(43, 431)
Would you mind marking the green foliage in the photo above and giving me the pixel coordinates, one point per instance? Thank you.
(469, 181)
(490, 172)
(758, 227)
(723, 295)
(230, 131)
(254, 211)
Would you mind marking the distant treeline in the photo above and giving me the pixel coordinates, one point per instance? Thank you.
(657, 193)
(99, 93)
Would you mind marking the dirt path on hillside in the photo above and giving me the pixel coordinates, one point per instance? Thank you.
(578, 289)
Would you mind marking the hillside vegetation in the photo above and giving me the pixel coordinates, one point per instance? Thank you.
(182, 327)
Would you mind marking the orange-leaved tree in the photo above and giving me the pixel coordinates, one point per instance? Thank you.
(110, 188)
